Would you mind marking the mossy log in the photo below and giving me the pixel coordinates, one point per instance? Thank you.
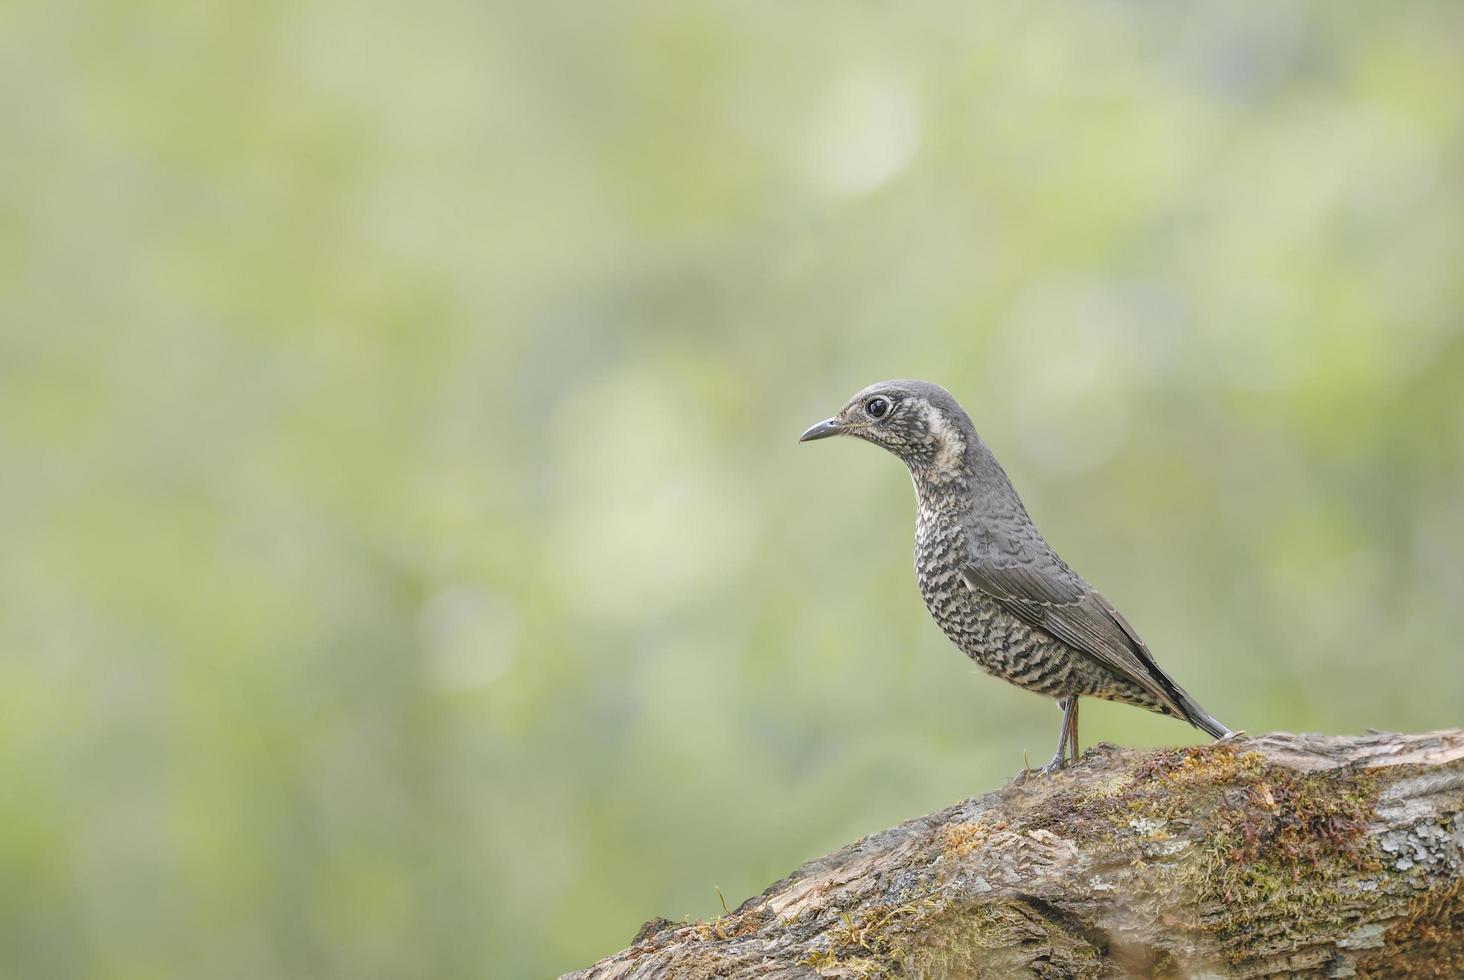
(1282, 855)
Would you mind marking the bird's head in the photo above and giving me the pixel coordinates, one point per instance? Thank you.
(917, 421)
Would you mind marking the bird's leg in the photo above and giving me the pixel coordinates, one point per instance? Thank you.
(1067, 741)
(1072, 722)
(1069, 727)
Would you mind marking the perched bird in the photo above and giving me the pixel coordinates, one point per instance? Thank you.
(990, 580)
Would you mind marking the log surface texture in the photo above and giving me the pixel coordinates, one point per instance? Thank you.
(1283, 855)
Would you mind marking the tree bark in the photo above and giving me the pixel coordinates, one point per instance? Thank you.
(1282, 855)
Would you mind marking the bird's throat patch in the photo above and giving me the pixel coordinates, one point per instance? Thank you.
(951, 444)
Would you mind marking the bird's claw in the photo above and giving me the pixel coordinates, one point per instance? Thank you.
(1051, 769)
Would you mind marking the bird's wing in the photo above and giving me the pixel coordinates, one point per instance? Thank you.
(1037, 587)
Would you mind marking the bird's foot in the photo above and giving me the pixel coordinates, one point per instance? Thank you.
(1057, 764)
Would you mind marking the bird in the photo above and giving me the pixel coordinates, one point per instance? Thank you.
(989, 578)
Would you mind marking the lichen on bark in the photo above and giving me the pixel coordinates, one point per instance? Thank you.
(1280, 855)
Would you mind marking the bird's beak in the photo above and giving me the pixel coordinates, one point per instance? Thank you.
(824, 429)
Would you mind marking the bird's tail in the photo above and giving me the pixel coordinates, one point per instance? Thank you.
(1199, 717)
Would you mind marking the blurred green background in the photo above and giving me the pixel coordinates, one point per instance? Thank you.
(408, 567)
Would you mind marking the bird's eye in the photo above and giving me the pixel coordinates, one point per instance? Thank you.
(877, 408)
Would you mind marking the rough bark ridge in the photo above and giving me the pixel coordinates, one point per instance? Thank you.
(1275, 856)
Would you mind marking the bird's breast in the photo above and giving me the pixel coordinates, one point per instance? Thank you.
(977, 625)
(940, 553)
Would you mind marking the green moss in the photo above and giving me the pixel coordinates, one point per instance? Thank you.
(733, 925)
(1274, 843)
(1427, 937)
(1268, 843)
(1000, 939)
(958, 840)
(1164, 965)
(874, 942)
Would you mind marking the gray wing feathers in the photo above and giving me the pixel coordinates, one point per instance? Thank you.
(1081, 619)
(1037, 587)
